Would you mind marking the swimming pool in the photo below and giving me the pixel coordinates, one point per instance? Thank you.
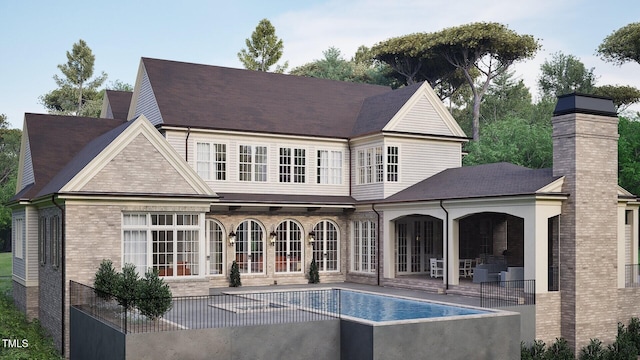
(367, 306)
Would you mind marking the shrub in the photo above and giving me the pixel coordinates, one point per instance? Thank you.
(154, 296)
(106, 280)
(127, 289)
(534, 352)
(234, 276)
(623, 348)
(633, 330)
(593, 351)
(559, 350)
(314, 276)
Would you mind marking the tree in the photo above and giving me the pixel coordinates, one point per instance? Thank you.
(77, 94)
(412, 59)
(234, 275)
(106, 280)
(565, 74)
(489, 48)
(629, 154)
(622, 96)
(506, 97)
(154, 295)
(333, 66)
(9, 158)
(314, 275)
(513, 140)
(622, 46)
(264, 49)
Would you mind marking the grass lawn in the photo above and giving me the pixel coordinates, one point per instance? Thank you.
(14, 325)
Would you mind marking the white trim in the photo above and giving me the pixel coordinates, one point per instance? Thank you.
(425, 91)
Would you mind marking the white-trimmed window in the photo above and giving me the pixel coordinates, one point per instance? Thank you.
(250, 247)
(370, 165)
(326, 246)
(216, 247)
(252, 163)
(167, 242)
(329, 169)
(288, 244)
(55, 236)
(19, 237)
(42, 240)
(211, 161)
(393, 161)
(364, 246)
(293, 165)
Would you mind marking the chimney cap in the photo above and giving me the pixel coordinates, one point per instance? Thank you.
(586, 104)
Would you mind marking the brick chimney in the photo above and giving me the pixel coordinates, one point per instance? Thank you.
(585, 152)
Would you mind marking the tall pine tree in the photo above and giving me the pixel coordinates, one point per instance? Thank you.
(263, 50)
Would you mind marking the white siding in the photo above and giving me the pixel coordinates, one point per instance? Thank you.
(420, 159)
(27, 170)
(147, 103)
(422, 118)
(272, 185)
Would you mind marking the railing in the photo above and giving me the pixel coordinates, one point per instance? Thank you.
(210, 311)
(494, 294)
(632, 275)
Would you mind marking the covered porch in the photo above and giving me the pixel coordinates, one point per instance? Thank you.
(455, 245)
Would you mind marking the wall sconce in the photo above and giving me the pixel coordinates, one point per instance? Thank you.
(272, 237)
(312, 237)
(232, 237)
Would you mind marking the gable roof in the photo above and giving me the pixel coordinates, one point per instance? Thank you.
(54, 140)
(118, 104)
(212, 97)
(499, 179)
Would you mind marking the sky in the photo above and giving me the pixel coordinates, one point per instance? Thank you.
(35, 35)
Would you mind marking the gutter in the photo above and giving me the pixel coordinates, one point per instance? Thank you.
(373, 207)
(62, 267)
(446, 251)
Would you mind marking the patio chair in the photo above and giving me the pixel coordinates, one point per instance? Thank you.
(466, 269)
(436, 268)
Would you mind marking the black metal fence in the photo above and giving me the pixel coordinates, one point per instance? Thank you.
(210, 311)
(494, 294)
(632, 275)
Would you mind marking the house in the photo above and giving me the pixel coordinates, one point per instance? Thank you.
(211, 165)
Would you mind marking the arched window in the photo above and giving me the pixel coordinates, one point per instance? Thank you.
(250, 247)
(288, 247)
(326, 246)
(215, 242)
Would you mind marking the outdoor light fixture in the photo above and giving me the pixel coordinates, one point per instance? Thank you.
(312, 237)
(232, 237)
(272, 237)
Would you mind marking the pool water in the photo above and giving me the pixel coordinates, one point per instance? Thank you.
(368, 306)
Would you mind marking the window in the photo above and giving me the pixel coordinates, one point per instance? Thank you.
(329, 167)
(288, 244)
(392, 163)
(250, 247)
(252, 163)
(42, 240)
(364, 246)
(216, 247)
(370, 165)
(325, 247)
(211, 161)
(168, 243)
(19, 237)
(54, 225)
(292, 165)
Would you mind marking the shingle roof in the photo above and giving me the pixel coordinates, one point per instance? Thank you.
(119, 102)
(234, 99)
(499, 179)
(54, 140)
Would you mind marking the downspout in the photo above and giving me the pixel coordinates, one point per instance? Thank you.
(186, 145)
(373, 207)
(62, 267)
(446, 248)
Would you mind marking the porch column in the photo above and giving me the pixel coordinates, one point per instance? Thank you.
(536, 239)
(452, 265)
